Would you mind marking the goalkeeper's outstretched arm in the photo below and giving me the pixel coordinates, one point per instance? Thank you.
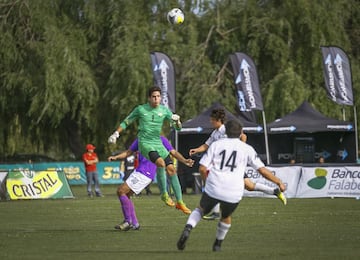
(112, 138)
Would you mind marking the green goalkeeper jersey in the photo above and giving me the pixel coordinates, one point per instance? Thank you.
(150, 122)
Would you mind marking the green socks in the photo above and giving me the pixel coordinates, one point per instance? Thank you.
(161, 179)
(175, 184)
(162, 183)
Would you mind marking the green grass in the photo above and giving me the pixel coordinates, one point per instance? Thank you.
(82, 228)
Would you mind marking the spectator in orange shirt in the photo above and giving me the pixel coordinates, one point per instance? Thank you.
(90, 159)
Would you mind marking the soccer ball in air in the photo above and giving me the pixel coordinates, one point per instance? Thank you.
(175, 16)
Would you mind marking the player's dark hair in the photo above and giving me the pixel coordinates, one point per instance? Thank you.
(153, 89)
(218, 114)
(233, 128)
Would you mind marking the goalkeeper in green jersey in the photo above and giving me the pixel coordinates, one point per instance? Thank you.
(150, 118)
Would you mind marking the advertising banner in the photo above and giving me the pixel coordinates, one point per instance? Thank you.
(316, 182)
(3, 175)
(26, 184)
(246, 82)
(74, 171)
(289, 175)
(164, 77)
(337, 75)
(109, 172)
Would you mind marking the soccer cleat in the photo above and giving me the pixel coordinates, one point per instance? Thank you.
(184, 236)
(280, 196)
(137, 227)
(212, 216)
(217, 245)
(183, 208)
(168, 201)
(125, 226)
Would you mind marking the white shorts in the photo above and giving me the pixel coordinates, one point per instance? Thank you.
(137, 181)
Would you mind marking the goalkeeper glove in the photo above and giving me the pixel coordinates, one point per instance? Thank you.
(176, 120)
(175, 117)
(113, 137)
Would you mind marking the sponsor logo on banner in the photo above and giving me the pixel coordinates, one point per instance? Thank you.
(342, 154)
(253, 129)
(289, 175)
(114, 173)
(345, 180)
(72, 173)
(283, 129)
(109, 172)
(337, 75)
(329, 182)
(330, 75)
(25, 184)
(345, 127)
(246, 82)
(192, 129)
(319, 181)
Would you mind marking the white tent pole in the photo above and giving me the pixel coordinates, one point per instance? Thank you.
(176, 141)
(356, 134)
(176, 137)
(266, 139)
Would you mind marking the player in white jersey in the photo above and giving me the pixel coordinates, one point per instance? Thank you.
(217, 118)
(225, 160)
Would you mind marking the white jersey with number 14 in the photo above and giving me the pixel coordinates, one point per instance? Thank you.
(226, 160)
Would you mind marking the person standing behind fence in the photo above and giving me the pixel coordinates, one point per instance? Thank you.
(91, 159)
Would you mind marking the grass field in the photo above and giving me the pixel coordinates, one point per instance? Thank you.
(82, 228)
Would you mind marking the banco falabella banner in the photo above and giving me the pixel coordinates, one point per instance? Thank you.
(337, 74)
(317, 182)
(246, 82)
(164, 77)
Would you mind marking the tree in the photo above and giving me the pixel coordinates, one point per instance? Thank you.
(70, 70)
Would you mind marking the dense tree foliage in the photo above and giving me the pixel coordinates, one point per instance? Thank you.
(71, 69)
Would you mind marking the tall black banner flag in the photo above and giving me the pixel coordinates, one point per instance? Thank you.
(337, 74)
(246, 82)
(164, 77)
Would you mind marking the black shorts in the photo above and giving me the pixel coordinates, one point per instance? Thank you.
(207, 203)
(153, 155)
